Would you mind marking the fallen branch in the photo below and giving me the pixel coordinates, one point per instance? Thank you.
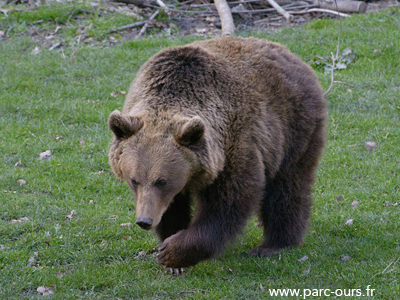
(225, 15)
(343, 6)
(138, 3)
(328, 11)
(280, 10)
(129, 26)
(267, 10)
(147, 23)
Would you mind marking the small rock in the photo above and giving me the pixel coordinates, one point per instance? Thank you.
(46, 155)
(354, 204)
(303, 259)
(21, 182)
(371, 146)
(349, 222)
(58, 137)
(345, 258)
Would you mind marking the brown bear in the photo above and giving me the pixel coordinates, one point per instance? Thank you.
(232, 125)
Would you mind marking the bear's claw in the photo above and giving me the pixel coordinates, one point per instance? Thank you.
(174, 271)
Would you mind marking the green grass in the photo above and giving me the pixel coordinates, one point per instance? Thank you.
(69, 94)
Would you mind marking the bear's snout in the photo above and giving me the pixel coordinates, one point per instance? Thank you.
(144, 222)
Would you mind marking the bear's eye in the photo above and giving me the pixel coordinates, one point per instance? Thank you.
(160, 183)
(134, 182)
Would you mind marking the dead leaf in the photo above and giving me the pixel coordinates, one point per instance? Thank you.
(113, 217)
(123, 225)
(354, 204)
(1, 33)
(261, 288)
(308, 270)
(46, 155)
(91, 201)
(5, 11)
(345, 257)
(303, 259)
(127, 237)
(23, 219)
(47, 233)
(82, 143)
(71, 215)
(18, 163)
(349, 222)
(61, 274)
(46, 290)
(35, 51)
(21, 182)
(31, 261)
(371, 146)
(140, 255)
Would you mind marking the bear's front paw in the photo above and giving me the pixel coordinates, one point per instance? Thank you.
(175, 253)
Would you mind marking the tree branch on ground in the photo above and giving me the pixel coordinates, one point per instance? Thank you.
(225, 15)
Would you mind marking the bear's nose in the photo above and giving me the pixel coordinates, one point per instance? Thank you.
(144, 222)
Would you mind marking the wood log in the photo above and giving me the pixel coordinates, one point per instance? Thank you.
(225, 15)
(343, 5)
(280, 10)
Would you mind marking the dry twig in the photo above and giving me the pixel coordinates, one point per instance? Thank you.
(129, 26)
(147, 23)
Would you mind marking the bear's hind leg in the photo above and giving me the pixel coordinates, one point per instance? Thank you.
(176, 218)
(285, 215)
(287, 202)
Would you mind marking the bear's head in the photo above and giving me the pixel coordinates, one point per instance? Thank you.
(156, 156)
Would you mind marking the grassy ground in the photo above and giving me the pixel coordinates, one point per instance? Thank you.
(60, 100)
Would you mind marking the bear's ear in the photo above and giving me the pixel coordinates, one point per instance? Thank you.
(124, 127)
(190, 132)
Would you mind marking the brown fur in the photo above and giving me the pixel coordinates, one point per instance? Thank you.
(235, 124)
